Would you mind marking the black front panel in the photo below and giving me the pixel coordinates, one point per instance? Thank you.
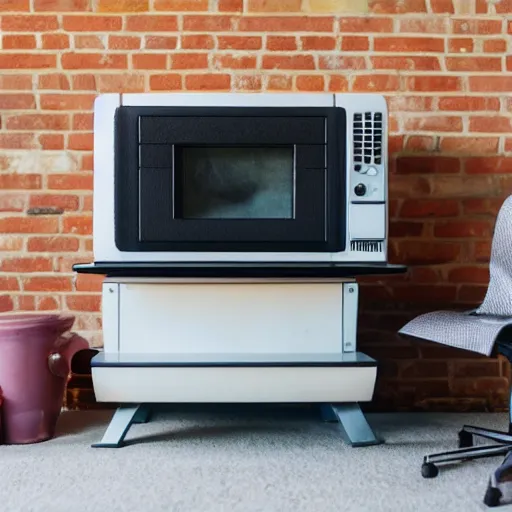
(229, 179)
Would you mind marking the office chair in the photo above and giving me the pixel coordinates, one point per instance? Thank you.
(486, 330)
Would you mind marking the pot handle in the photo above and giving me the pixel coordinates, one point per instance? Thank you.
(59, 361)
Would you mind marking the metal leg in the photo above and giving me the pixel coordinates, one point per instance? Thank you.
(475, 452)
(119, 425)
(354, 425)
(494, 435)
(327, 413)
(142, 415)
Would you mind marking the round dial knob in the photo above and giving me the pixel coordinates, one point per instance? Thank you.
(360, 189)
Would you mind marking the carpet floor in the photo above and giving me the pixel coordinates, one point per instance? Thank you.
(247, 459)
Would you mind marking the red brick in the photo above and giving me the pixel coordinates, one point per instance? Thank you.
(181, 5)
(15, 5)
(27, 61)
(6, 303)
(9, 284)
(17, 141)
(423, 63)
(286, 24)
(87, 162)
(83, 122)
(149, 61)
(123, 6)
(401, 229)
(55, 81)
(196, 42)
(472, 294)
(430, 25)
(508, 145)
(47, 284)
(94, 23)
(17, 101)
(462, 229)
(495, 45)
(247, 83)
(93, 61)
(15, 82)
(53, 244)
(48, 303)
(51, 141)
(77, 224)
(422, 208)
(288, 62)
(12, 202)
(17, 42)
(442, 6)
(209, 23)
(78, 181)
(318, 43)
(426, 252)
(26, 264)
(84, 82)
(168, 82)
(189, 61)
(416, 143)
(468, 103)
(503, 7)
(469, 275)
(375, 83)
(470, 145)
(150, 23)
(63, 201)
(26, 303)
(285, 6)
(282, 43)
(121, 82)
(59, 6)
(310, 83)
(89, 283)
(29, 23)
(355, 43)
(238, 42)
(125, 42)
(409, 44)
(91, 303)
(428, 165)
(491, 124)
(88, 42)
(434, 124)
(473, 63)
(38, 122)
(408, 187)
(81, 141)
(397, 6)
(55, 41)
(29, 224)
(334, 62)
(366, 24)
(279, 83)
(460, 45)
(475, 26)
(231, 5)
(437, 83)
(489, 165)
(160, 42)
(482, 206)
(233, 62)
(451, 186)
(206, 82)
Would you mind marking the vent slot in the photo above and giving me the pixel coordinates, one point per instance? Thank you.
(366, 245)
(367, 130)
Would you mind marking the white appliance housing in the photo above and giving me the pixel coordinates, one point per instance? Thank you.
(366, 214)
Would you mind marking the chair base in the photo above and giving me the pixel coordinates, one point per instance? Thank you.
(502, 446)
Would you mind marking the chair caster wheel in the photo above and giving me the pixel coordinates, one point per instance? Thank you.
(492, 496)
(429, 470)
(465, 439)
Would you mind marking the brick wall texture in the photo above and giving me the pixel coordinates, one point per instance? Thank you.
(444, 66)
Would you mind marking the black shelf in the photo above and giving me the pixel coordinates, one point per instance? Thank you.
(238, 270)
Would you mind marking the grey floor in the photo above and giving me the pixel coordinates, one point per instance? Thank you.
(248, 459)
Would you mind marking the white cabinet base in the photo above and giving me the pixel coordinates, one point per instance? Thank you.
(232, 341)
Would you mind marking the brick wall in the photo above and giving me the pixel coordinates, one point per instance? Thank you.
(444, 66)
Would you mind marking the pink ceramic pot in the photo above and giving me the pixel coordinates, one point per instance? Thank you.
(35, 362)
